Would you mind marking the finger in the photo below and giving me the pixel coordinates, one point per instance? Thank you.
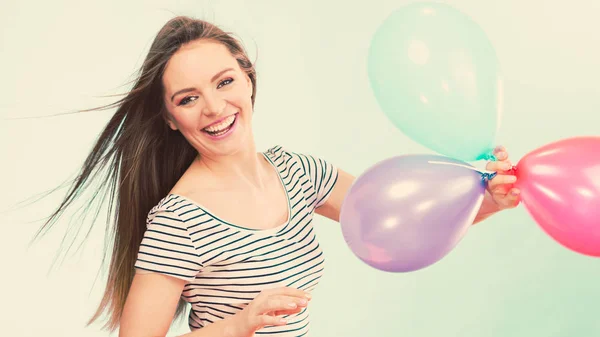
(501, 179)
(499, 149)
(500, 153)
(266, 320)
(287, 312)
(276, 303)
(510, 199)
(513, 197)
(499, 166)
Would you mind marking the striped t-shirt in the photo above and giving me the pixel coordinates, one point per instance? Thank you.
(226, 265)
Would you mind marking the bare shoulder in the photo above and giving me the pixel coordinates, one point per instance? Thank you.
(192, 182)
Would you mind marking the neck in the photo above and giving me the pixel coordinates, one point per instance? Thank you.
(245, 166)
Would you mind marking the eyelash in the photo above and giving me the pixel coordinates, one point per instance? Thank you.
(185, 100)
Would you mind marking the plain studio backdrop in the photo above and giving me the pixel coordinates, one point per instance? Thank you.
(506, 278)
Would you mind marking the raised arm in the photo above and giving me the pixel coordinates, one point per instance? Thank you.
(500, 193)
(332, 207)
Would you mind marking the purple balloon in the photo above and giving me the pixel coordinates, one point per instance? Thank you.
(407, 212)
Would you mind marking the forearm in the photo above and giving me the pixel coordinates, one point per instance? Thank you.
(487, 209)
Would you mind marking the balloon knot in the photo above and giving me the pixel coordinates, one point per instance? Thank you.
(485, 177)
(489, 156)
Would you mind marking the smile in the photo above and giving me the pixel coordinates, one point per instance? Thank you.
(222, 127)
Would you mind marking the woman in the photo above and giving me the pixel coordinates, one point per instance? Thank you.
(201, 216)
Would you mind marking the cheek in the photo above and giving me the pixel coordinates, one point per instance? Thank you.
(239, 98)
(186, 121)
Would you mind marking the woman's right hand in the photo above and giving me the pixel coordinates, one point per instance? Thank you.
(268, 307)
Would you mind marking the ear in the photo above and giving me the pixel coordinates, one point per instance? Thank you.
(249, 83)
(170, 122)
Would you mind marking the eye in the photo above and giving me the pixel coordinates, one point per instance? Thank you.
(187, 100)
(224, 82)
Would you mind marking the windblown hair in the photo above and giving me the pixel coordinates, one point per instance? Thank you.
(145, 158)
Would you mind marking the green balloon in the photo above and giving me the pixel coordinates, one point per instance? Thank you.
(436, 76)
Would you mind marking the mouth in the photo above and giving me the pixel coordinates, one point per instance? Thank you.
(222, 127)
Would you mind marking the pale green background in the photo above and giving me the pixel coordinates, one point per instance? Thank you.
(506, 278)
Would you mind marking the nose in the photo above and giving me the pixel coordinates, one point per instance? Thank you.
(213, 105)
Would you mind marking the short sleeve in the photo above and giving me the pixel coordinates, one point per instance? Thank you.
(322, 174)
(167, 247)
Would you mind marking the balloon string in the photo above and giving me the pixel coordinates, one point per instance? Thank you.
(485, 175)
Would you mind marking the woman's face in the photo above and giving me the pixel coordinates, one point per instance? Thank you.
(208, 97)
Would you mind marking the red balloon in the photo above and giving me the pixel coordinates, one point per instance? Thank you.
(560, 188)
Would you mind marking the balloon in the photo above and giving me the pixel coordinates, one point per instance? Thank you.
(435, 74)
(560, 188)
(407, 212)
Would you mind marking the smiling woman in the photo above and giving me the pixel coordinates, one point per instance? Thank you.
(201, 217)
(180, 151)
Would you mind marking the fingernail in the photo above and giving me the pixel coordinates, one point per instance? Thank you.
(507, 166)
(308, 296)
(303, 302)
(514, 192)
(512, 179)
(283, 321)
(292, 305)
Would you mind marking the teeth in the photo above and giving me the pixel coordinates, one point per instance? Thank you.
(221, 126)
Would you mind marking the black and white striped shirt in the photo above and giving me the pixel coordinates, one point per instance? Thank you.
(226, 265)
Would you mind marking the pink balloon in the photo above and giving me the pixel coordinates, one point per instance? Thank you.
(560, 188)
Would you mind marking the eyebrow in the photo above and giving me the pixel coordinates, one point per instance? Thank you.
(192, 89)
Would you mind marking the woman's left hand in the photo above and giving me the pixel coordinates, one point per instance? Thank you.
(501, 187)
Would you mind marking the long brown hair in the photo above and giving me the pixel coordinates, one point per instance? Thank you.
(143, 157)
